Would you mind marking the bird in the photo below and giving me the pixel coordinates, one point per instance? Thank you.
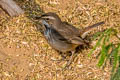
(56, 40)
(63, 36)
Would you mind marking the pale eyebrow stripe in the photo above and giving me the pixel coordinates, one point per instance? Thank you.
(50, 17)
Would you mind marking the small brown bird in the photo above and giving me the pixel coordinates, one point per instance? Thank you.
(61, 35)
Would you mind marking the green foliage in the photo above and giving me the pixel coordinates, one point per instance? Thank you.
(116, 76)
(108, 50)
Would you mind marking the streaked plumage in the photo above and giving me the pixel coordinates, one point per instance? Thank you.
(63, 36)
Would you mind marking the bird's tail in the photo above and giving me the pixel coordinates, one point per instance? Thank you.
(88, 29)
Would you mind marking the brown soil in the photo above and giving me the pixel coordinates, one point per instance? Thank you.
(25, 54)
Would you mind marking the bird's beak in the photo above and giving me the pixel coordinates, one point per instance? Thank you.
(39, 18)
(42, 20)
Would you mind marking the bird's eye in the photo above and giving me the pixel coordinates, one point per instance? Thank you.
(47, 19)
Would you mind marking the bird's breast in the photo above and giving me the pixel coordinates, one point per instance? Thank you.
(57, 44)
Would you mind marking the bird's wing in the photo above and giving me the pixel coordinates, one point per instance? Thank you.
(58, 36)
(68, 31)
(71, 33)
(77, 40)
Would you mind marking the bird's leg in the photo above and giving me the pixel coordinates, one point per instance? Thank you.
(70, 60)
(63, 57)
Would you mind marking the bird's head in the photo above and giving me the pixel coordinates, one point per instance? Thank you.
(50, 18)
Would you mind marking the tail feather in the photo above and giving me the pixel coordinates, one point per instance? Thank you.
(85, 31)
